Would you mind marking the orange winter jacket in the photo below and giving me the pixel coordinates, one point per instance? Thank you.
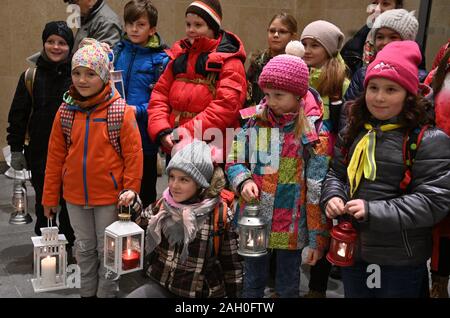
(91, 171)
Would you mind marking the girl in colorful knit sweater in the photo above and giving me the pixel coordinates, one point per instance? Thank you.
(288, 184)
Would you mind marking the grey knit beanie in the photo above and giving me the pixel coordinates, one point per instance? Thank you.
(327, 34)
(195, 160)
(399, 20)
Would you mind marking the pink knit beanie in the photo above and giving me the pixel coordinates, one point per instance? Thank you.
(398, 61)
(287, 73)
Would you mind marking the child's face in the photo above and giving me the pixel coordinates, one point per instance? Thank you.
(281, 102)
(384, 98)
(315, 54)
(181, 186)
(56, 48)
(140, 31)
(385, 36)
(278, 36)
(196, 27)
(86, 81)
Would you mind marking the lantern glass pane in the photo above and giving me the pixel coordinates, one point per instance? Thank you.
(110, 251)
(254, 239)
(131, 252)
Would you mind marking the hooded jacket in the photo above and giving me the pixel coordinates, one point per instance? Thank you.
(289, 191)
(91, 171)
(141, 68)
(51, 81)
(181, 91)
(397, 227)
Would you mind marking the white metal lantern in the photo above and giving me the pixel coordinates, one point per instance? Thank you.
(252, 233)
(124, 246)
(50, 260)
(20, 204)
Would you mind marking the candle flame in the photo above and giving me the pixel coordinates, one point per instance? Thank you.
(342, 248)
(129, 252)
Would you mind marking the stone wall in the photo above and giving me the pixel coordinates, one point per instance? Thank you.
(22, 21)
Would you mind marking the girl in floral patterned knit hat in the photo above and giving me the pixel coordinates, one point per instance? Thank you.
(285, 181)
(95, 153)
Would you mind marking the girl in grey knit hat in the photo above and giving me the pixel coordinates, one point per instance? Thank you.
(182, 228)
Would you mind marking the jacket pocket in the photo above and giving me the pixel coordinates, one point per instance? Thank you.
(406, 243)
(114, 180)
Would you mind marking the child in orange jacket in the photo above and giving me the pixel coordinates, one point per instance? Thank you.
(83, 158)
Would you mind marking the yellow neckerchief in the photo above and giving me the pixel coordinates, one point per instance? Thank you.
(363, 158)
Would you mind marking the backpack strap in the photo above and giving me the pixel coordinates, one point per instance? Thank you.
(220, 223)
(67, 117)
(114, 119)
(30, 75)
(411, 142)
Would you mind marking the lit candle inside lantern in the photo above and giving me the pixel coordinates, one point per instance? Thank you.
(342, 248)
(250, 241)
(130, 259)
(48, 271)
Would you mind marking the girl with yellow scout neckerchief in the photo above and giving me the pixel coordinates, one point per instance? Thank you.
(393, 226)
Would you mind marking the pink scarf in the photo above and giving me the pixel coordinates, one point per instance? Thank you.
(178, 222)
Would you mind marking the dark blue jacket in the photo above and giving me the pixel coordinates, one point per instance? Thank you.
(141, 68)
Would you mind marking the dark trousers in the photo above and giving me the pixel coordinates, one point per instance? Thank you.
(149, 177)
(395, 281)
(287, 278)
(37, 180)
(318, 275)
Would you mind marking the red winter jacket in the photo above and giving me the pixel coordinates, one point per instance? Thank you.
(181, 93)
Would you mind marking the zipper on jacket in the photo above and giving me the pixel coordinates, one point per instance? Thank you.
(130, 66)
(86, 137)
(406, 243)
(114, 180)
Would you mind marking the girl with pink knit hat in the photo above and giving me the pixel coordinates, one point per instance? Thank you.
(285, 176)
(389, 178)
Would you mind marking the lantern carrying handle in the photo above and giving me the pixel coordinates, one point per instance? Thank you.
(125, 216)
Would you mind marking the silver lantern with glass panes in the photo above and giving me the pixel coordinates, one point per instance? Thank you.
(253, 237)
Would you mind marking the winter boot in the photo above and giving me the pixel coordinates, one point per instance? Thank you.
(439, 286)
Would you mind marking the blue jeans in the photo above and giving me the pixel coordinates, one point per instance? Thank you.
(287, 277)
(394, 281)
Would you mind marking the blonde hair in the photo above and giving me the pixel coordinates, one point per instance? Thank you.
(217, 184)
(300, 124)
(332, 77)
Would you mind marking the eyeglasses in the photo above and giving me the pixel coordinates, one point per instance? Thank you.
(282, 32)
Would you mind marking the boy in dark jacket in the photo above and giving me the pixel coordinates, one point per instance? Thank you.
(34, 110)
(142, 59)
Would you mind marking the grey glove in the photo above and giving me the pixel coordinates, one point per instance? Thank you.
(18, 161)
